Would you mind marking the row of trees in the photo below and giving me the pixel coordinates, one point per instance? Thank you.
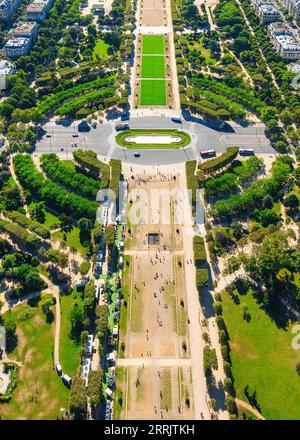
(69, 177)
(253, 196)
(240, 173)
(52, 194)
(28, 223)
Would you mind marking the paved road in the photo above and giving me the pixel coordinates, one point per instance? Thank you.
(102, 140)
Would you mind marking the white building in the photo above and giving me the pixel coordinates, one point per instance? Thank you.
(293, 6)
(16, 47)
(285, 41)
(8, 8)
(38, 10)
(267, 11)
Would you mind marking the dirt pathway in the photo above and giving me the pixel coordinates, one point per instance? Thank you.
(249, 408)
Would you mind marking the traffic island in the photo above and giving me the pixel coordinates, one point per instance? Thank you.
(153, 139)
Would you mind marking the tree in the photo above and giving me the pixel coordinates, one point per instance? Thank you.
(78, 397)
(231, 405)
(94, 386)
(267, 201)
(291, 201)
(76, 318)
(84, 225)
(46, 305)
(110, 235)
(10, 328)
(58, 258)
(228, 386)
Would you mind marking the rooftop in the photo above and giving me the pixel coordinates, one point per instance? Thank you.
(17, 42)
(25, 27)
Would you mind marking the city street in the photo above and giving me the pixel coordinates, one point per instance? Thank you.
(102, 140)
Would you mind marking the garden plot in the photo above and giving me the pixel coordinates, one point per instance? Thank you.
(153, 92)
(153, 45)
(153, 66)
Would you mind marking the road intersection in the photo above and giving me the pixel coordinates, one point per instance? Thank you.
(102, 140)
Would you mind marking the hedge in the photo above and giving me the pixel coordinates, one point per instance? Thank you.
(56, 99)
(191, 179)
(28, 223)
(52, 194)
(116, 167)
(210, 361)
(201, 278)
(199, 251)
(68, 177)
(18, 233)
(88, 100)
(88, 160)
(219, 162)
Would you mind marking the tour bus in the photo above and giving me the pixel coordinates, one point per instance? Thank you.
(246, 151)
(208, 153)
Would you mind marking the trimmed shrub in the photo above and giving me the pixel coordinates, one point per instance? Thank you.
(201, 278)
(199, 251)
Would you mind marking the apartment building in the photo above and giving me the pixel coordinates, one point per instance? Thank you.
(293, 6)
(285, 41)
(38, 10)
(267, 12)
(26, 29)
(8, 8)
(16, 47)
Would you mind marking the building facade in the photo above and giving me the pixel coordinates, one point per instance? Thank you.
(285, 41)
(38, 10)
(8, 8)
(293, 6)
(16, 47)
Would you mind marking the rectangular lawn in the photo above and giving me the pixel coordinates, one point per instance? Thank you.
(153, 67)
(153, 44)
(153, 92)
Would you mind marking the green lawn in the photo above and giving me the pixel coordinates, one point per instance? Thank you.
(68, 348)
(153, 92)
(73, 239)
(153, 44)
(100, 50)
(40, 393)
(153, 67)
(121, 139)
(51, 220)
(263, 358)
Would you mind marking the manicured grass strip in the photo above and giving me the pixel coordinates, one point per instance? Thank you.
(153, 44)
(263, 358)
(153, 67)
(121, 139)
(153, 92)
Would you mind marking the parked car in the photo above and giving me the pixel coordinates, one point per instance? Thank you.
(120, 127)
(67, 380)
(58, 369)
